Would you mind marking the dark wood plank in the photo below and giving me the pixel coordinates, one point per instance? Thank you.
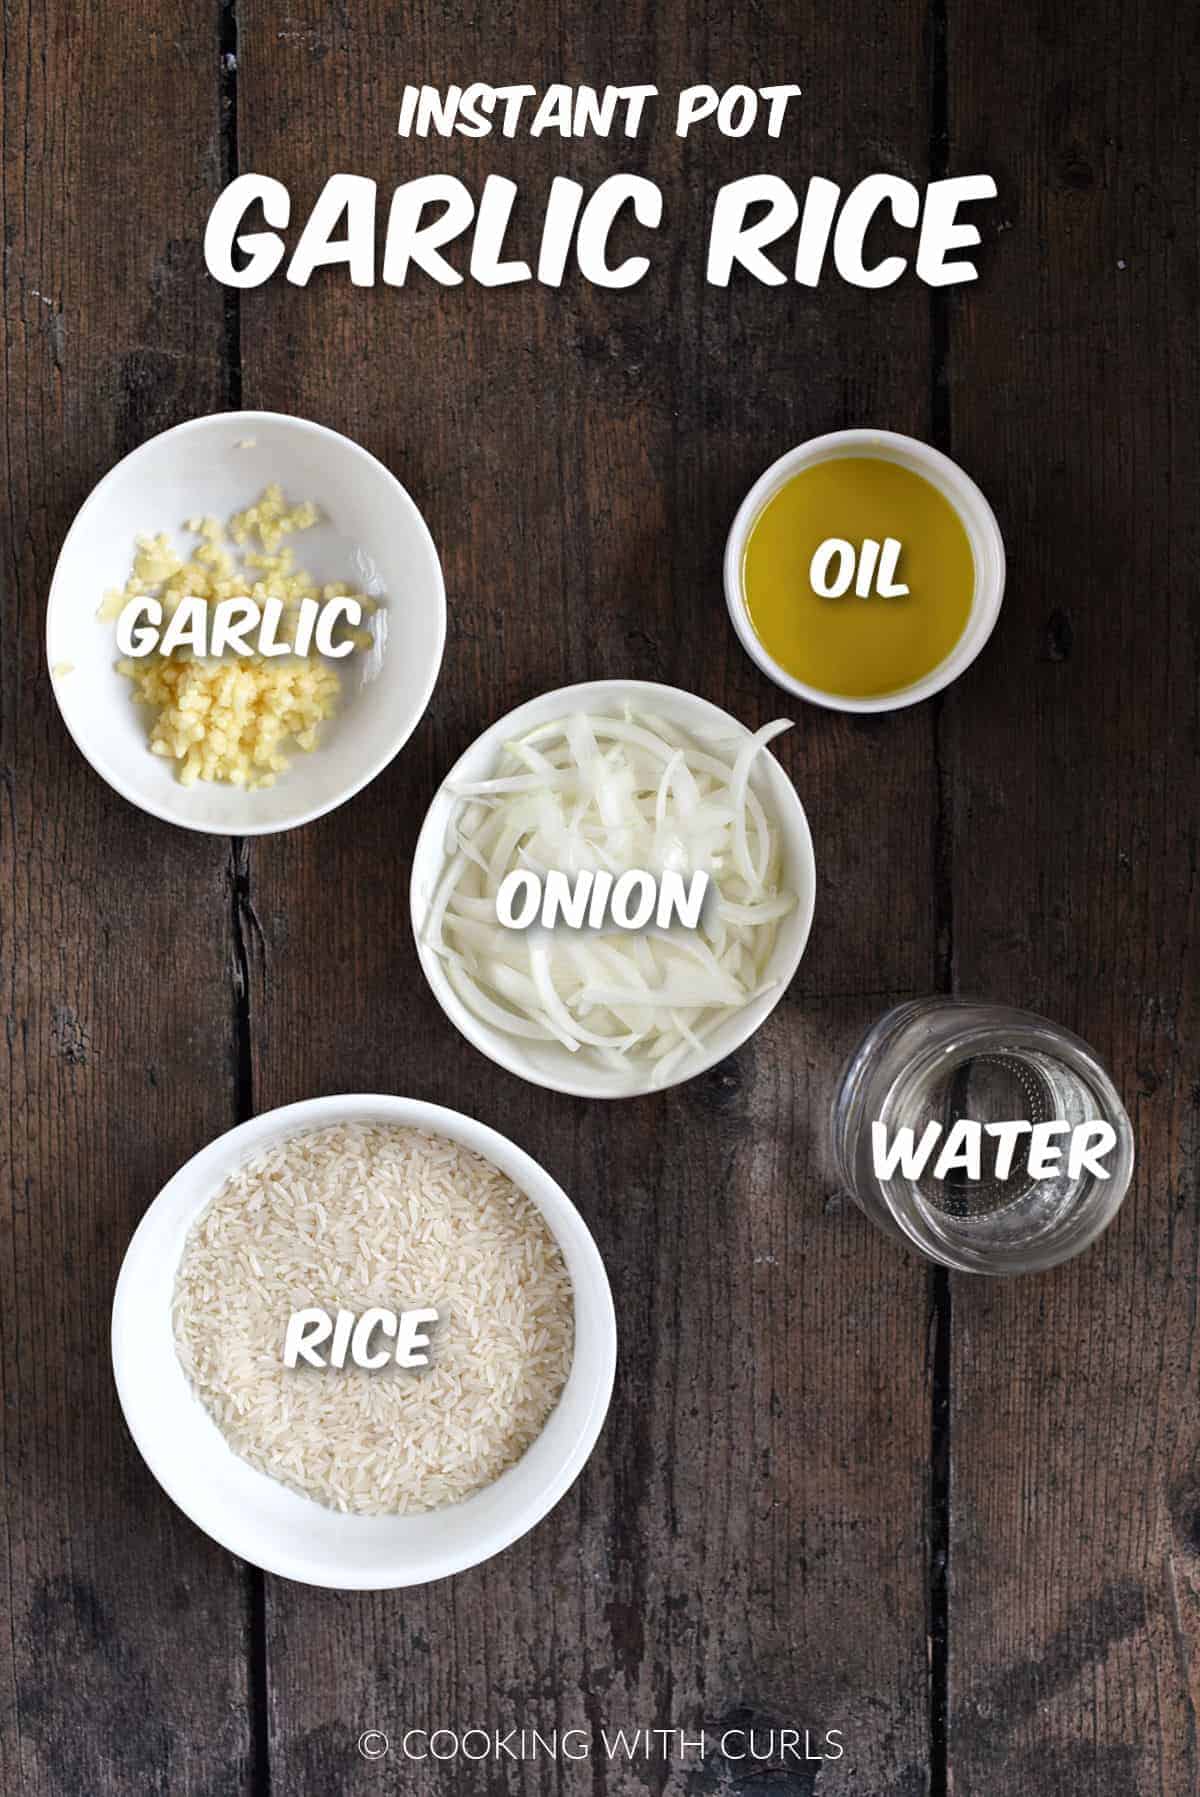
(750, 1534)
(1075, 388)
(122, 1664)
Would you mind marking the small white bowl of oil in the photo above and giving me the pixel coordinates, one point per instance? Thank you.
(862, 651)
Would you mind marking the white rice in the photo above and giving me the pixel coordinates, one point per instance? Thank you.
(366, 1214)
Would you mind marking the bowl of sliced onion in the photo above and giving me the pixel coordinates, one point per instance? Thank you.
(610, 776)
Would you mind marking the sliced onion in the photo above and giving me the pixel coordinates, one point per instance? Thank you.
(611, 793)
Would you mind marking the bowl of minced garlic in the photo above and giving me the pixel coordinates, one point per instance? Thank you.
(255, 507)
(234, 717)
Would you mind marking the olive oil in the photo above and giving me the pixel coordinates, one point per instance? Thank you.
(855, 647)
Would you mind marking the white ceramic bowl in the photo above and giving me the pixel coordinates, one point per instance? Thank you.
(549, 1063)
(255, 1516)
(983, 532)
(371, 534)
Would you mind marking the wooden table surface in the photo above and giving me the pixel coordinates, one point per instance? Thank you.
(957, 1520)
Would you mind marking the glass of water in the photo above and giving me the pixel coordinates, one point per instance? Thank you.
(983, 1198)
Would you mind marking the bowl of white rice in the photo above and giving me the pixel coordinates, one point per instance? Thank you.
(355, 1477)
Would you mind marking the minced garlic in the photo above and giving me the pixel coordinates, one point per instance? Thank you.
(231, 719)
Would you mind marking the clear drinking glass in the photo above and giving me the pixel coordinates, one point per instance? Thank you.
(943, 1059)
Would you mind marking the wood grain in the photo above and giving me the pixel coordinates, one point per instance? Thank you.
(1075, 391)
(114, 938)
(749, 1538)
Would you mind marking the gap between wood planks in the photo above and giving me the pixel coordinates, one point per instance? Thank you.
(241, 909)
(940, 1298)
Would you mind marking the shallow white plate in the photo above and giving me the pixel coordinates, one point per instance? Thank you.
(263, 1521)
(371, 534)
(549, 1063)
